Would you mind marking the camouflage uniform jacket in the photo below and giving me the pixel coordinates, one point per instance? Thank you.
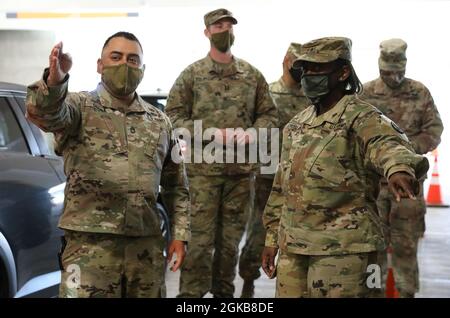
(411, 107)
(289, 102)
(115, 159)
(323, 198)
(234, 95)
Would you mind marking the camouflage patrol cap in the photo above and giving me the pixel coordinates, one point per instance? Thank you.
(216, 15)
(293, 53)
(326, 50)
(294, 49)
(392, 55)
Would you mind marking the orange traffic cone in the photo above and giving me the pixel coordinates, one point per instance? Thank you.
(391, 291)
(434, 197)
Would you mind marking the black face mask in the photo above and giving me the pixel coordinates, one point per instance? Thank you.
(296, 74)
(317, 86)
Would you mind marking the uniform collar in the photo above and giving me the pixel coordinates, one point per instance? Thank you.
(223, 69)
(332, 116)
(109, 101)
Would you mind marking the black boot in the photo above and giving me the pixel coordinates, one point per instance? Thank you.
(248, 290)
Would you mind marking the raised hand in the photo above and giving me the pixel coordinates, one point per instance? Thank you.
(59, 65)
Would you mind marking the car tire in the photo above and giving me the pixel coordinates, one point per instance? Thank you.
(4, 283)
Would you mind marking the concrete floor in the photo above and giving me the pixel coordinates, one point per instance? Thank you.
(434, 255)
(434, 262)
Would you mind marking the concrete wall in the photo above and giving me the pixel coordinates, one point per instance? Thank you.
(24, 54)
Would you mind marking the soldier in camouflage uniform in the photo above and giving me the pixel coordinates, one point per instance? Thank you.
(410, 105)
(321, 213)
(289, 100)
(116, 151)
(223, 92)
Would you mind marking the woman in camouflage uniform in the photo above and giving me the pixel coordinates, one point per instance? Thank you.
(322, 212)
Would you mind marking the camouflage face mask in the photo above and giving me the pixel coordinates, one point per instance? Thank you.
(222, 41)
(122, 79)
(393, 80)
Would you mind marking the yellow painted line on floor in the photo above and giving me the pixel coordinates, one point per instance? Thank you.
(65, 15)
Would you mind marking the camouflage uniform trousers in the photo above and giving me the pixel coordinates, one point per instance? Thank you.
(403, 227)
(250, 259)
(324, 276)
(112, 266)
(218, 218)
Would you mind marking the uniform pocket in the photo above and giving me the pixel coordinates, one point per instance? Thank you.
(95, 203)
(151, 162)
(101, 136)
(150, 148)
(151, 135)
(324, 165)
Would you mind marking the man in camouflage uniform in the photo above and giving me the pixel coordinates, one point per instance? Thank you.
(116, 150)
(223, 92)
(289, 100)
(322, 212)
(410, 105)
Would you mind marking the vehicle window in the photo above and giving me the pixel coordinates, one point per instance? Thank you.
(159, 102)
(11, 137)
(50, 139)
